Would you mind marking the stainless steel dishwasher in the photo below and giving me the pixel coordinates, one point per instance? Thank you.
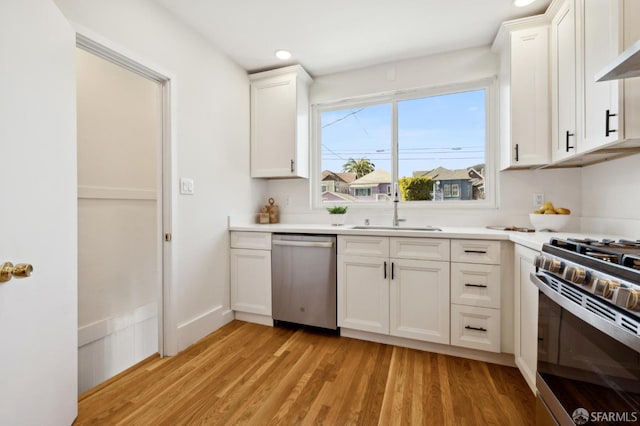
(303, 279)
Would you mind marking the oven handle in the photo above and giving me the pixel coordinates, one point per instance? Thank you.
(615, 331)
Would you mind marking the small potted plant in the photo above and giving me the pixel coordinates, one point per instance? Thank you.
(337, 215)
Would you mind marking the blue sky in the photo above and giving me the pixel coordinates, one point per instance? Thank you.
(447, 130)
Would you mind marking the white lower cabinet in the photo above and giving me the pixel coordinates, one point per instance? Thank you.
(419, 300)
(526, 314)
(250, 272)
(363, 293)
(382, 291)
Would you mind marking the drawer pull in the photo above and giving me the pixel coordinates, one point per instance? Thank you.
(476, 251)
(468, 327)
(475, 285)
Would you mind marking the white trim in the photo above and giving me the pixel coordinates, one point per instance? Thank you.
(195, 329)
(103, 328)
(494, 358)
(110, 193)
(107, 49)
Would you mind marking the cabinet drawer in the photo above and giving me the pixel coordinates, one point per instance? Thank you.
(475, 251)
(363, 246)
(419, 248)
(475, 328)
(475, 284)
(251, 240)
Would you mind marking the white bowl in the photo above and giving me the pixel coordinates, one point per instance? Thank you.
(549, 222)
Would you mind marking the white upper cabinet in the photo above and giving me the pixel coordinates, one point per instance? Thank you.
(608, 26)
(601, 43)
(563, 78)
(280, 123)
(592, 121)
(523, 46)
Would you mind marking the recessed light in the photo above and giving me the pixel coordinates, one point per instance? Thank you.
(522, 3)
(283, 54)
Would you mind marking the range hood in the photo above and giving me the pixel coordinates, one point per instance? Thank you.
(626, 65)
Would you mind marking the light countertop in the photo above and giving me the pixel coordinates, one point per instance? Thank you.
(533, 240)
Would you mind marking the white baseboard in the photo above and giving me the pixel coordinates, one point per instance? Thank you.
(255, 318)
(101, 329)
(195, 329)
(110, 346)
(491, 357)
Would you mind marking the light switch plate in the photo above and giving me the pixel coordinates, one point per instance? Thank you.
(187, 186)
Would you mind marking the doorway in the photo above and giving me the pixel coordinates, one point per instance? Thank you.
(121, 109)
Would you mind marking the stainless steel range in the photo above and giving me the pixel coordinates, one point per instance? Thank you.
(588, 369)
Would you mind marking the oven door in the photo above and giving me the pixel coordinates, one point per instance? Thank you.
(584, 374)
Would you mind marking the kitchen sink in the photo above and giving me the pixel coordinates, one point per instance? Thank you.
(397, 228)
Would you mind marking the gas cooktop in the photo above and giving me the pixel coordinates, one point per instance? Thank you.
(625, 253)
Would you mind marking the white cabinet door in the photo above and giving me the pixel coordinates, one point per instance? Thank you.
(280, 123)
(250, 274)
(526, 314)
(419, 300)
(565, 135)
(38, 220)
(523, 46)
(601, 35)
(363, 293)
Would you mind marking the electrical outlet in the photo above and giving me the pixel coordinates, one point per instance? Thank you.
(538, 200)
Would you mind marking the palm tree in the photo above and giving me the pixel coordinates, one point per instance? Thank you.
(360, 167)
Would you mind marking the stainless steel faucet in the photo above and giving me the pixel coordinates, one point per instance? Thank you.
(396, 200)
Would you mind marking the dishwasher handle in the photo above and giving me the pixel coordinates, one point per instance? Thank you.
(317, 244)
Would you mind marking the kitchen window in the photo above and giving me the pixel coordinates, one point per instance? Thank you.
(437, 144)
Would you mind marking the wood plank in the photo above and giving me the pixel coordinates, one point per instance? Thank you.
(252, 374)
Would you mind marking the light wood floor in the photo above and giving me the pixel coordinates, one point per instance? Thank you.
(250, 374)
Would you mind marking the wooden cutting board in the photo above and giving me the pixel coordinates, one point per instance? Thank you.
(511, 228)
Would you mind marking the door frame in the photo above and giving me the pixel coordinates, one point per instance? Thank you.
(105, 49)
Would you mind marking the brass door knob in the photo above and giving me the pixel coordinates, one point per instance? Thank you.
(8, 271)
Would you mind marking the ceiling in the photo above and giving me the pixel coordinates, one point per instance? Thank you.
(335, 35)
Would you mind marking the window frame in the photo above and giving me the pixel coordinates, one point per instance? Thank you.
(489, 85)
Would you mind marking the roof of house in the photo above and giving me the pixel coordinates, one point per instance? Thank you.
(346, 177)
(374, 178)
(441, 173)
(337, 196)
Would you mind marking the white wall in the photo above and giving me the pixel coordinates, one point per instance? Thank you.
(119, 134)
(515, 188)
(210, 96)
(610, 202)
